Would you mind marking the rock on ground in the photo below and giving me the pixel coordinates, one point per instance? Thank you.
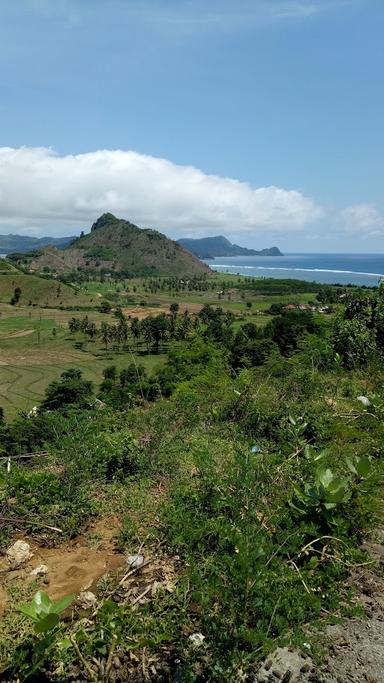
(41, 570)
(18, 554)
(286, 665)
(355, 647)
(87, 599)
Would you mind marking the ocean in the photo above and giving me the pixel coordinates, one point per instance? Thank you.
(358, 269)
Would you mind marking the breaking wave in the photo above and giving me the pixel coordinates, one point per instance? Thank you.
(301, 270)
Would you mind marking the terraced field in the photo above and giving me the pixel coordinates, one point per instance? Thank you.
(32, 355)
(35, 345)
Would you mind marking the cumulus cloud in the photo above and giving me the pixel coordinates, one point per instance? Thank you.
(41, 190)
(363, 219)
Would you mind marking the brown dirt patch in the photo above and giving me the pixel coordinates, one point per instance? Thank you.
(21, 333)
(144, 312)
(74, 566)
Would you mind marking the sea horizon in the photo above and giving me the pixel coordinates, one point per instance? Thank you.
(324, 268)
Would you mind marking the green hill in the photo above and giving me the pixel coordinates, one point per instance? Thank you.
(209, 247)
(117, 246)
(24, 243)
(39, 291)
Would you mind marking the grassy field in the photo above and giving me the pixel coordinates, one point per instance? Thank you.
(36, 347)
(40, 291)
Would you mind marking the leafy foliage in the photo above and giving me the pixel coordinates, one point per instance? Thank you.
(69, 390)
(255, 469)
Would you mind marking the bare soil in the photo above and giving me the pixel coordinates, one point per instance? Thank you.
(20, 333)
(72, 567)
(141, 313)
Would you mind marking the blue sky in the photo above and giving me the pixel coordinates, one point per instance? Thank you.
(258, 119)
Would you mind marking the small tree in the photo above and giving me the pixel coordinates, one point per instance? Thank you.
(70, 390)
(16, 296)
(105, 307)
(105, 333)
(110, 372)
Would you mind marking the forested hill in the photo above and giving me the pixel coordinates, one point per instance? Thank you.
(209, 247)
(24, 243)
(118, 246)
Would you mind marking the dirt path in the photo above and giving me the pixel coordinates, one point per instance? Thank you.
(21, 333)
(14, 335)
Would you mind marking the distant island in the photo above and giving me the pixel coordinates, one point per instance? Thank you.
(24, 243)
(210, 247)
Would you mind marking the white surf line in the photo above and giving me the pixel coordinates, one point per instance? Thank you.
(299, 270)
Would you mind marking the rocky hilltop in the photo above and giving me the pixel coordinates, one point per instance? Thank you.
(118, 246)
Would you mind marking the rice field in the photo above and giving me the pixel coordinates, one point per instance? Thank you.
(35, 349)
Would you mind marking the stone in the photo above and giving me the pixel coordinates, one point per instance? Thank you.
(134, 561)
(197, 639)
(87, 599)
(41, 570)
(18, 554)
(285, 665)
(364, 400)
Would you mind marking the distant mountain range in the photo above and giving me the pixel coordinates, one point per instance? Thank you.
(117, 246)
(209, 247)
(24, 243)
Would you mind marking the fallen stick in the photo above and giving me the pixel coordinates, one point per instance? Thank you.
(24, 521)
(126, 576)
(37, 454)
(148, 588)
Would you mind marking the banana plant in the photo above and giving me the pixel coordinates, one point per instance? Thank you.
(44, 612)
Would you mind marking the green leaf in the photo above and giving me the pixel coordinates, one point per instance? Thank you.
(62, 604)
(47, 623)
(351, 465)
(363, 466)
(29, 610)
(320, 456)
(337, 484)
(42, 603)
(325, 477)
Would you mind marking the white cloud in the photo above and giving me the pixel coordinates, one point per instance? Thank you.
(44, 192)
(363, 220)
(186, 16)
(224, 15)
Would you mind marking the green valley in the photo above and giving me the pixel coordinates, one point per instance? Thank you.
(190, 466)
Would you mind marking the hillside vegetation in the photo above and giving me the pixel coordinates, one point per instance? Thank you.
(117, 246)
(194, 515)
(39, 291)
(209, 247)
